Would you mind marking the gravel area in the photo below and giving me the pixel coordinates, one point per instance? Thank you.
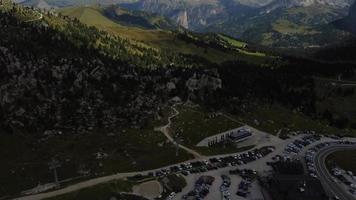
(150, 189)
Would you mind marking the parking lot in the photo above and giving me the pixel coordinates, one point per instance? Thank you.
(256, 160)
(220, 189)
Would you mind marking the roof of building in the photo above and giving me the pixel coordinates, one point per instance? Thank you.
(239, 134)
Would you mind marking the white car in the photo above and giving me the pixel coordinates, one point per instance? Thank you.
(171, 196)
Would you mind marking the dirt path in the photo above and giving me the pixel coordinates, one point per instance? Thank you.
(166, 131)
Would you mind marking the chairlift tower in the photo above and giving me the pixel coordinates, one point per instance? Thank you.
(177, 140)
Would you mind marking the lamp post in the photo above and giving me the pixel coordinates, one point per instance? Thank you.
(53, 165)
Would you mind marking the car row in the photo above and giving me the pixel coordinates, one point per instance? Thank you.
(224, 188)
(298, 144)
(201, 188)
(243, 188)
(215, 163)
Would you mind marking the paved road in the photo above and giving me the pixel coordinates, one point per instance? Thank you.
(325, 177)
(338, 81)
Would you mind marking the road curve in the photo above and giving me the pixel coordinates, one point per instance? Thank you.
(326, 179)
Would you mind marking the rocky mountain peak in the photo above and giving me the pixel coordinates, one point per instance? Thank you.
(182, 19)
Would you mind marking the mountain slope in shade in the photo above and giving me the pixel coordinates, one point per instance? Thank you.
(349, 22)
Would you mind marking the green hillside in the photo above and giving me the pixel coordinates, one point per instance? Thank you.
(139, 19)
(158, 38)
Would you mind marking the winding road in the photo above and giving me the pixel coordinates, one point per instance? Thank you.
(332, 189)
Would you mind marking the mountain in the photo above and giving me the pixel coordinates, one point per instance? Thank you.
(42, 4)
(349, 22)
(276, 23)
(156, 32)
(289, 27)
(194, 15)
(306, 3)
(84, 90)
(66, 3)
(94, 70)
(264, 22)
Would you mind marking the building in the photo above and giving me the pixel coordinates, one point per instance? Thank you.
(238, 135)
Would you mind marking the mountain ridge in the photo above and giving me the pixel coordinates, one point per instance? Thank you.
(239, 19)
(265, 22)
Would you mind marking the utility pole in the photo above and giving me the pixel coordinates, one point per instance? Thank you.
(177, 149)
(53, 165)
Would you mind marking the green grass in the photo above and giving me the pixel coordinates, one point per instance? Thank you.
(241, 46)
(275, 117)
(24, 159)
(330, 97)
(194, 124)
(233, 42)
(90, 15)
(344, 159)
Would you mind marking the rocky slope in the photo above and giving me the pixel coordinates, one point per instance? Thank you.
(57, 79)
